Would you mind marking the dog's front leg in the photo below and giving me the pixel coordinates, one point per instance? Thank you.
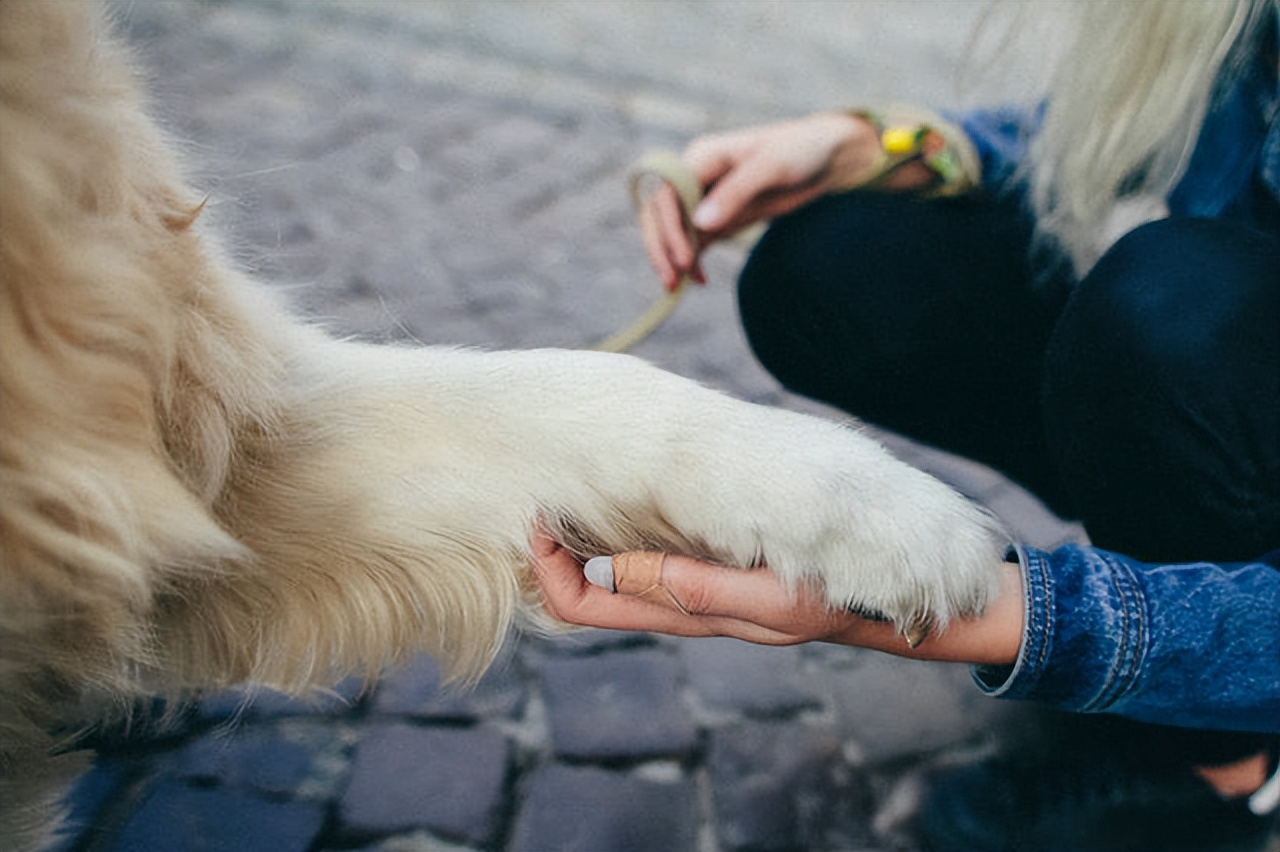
(391, 508)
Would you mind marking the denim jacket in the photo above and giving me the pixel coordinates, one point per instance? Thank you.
(1195, 645)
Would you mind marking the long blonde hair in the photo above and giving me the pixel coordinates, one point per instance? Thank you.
(1125, 108)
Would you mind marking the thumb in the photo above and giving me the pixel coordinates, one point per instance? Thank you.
(691, 587)
(750, 604)
(636, 573)
(729, 196)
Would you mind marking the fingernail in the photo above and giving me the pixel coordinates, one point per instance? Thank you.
(706, 215)
(599, 572)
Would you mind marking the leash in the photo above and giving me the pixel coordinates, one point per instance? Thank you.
(906, 135)
(668, 167)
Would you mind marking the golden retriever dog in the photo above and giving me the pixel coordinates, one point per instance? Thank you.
(199, 490)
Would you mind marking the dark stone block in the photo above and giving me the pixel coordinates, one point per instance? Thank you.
(617, 706)
(893, 709)
(416, 689)
(262, 703)
(88, 797)
(594, 640)
(568, 809)
(177, 817)
(774, 785)
(250, 757)
(450, 781)
(739, 677)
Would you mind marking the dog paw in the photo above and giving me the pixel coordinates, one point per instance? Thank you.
(817, 500)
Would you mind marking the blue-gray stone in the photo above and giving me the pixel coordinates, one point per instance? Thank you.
(774, 784)
(893, 709)
(417, 689)
(585, 809)
(732, 676)
(247, 757)
(90, 794)
(621, 705)
(244, 702)
(191, 819)
(449, 781)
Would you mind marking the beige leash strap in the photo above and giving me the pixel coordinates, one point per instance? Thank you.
(664, 166)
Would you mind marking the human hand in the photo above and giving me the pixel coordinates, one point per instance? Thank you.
(705, 600)
(752, 175)
(701, 599)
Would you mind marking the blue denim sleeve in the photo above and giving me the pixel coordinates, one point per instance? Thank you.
(1194, 645)
(1000, 136)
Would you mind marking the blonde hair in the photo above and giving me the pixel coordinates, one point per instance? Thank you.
(1125, 107)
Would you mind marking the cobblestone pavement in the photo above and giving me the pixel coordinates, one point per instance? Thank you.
(453, 172)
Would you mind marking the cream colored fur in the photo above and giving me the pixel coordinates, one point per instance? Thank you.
(196, 490)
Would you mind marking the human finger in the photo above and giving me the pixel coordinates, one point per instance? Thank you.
(655, 247)
(755, 605)
(673, 225)
(756, 189)
(569, 597)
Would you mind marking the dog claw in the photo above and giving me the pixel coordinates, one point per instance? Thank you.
(918, 631)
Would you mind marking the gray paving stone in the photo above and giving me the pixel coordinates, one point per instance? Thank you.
(584, 809)
(775, 785)
(892, 709)
(86, 801)
(737, 677)
(416, 689)
(619, 705)
(254, 757)
(593, 641)
(447, 780)
(178, 817)
(416, 841)
(263, 703)
(1030, 521)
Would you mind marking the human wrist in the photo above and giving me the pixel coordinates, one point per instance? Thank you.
(857, 153)
(991, 638)
(917, 150)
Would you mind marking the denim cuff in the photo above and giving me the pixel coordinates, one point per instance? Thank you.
(1193, 645)
(1084, 632)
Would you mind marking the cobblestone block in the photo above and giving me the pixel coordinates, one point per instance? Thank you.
(255, 757)
(416, 690)
(258, 759)
(737, 677)
(617, 705)
(263, 703)
(593, 641)
(447, 780)
(87, 799)
(891, 708)
(774, 785)
(585, 809)
(178, 817)
(415, 841)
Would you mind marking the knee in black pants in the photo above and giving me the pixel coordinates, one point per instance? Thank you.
(917, 316)
(1162, 393)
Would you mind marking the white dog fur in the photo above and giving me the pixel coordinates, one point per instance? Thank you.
(197, 490)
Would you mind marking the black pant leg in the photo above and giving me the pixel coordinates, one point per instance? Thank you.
(1162, 393)
(922, 317)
